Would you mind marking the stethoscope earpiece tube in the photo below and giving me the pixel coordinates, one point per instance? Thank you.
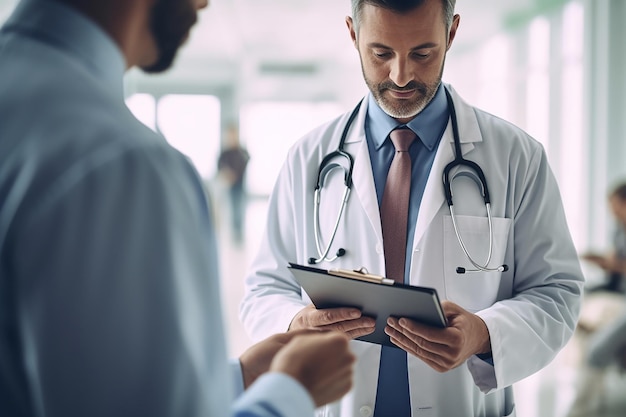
(478, 176)
(324, 169)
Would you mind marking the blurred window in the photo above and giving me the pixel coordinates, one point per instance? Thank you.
(573, 173)
(143, 107)
(269, 128)
(190, 123)
(538, 81)
(495, 91)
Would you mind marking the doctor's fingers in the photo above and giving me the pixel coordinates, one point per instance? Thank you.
(353, 328)
(450, 343)
(420, 345)
(310, 317)
(433, 359)
(432, 334)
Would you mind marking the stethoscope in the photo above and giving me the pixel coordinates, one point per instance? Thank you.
(472, 171)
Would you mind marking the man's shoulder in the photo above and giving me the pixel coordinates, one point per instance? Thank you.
(53, 130)
(506, 132)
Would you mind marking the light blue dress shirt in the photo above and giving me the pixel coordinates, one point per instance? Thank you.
(392, 396)
(109, 297)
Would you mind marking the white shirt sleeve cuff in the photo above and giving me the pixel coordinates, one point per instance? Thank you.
(483, 373)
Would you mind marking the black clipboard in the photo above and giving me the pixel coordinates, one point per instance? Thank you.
(375, 296)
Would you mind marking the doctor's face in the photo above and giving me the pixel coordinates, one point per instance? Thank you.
(403, 55)
(170, 23)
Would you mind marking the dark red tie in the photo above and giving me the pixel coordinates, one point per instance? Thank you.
(395, 205)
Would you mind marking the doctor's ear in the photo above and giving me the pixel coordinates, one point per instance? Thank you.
(352, 28)
(453, 28)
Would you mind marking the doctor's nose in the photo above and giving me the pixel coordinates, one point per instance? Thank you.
(400, 73)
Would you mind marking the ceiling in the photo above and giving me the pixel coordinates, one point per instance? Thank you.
(238, 41)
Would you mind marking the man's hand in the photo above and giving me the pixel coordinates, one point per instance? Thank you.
(345, 320)
(257, 359)
(609, 263)
(322, 362)
(442, 349)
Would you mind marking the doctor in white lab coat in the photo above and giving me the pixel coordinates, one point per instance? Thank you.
(529, 310)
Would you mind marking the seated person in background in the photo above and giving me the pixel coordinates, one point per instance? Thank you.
(604, 350)
(614, 264)
(600, 331)
(608, 345)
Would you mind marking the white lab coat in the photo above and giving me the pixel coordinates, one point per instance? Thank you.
(530, 310)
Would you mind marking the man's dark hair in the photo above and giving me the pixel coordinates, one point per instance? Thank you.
(400, 6)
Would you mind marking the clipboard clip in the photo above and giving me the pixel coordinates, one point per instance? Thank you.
(361, 274)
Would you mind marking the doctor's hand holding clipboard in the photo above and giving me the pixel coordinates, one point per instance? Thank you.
(443, 335)
(344, 319)
(442, 349)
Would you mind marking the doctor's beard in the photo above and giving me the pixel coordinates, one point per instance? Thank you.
(403, 109)
(170, 23)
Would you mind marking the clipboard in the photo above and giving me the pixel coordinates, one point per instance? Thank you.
(374, 295)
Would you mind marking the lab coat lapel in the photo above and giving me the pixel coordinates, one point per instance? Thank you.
(362, 175)
(434, 196)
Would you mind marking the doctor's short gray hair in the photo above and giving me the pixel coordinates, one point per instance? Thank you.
(400, 6)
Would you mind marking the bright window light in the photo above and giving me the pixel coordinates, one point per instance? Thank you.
(494, 73)
(573, 176)
(269, 128)
(538, 81)
(191, 124)
(143, 106)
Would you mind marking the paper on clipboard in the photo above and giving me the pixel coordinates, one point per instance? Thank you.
(375, 296)
(360, 274)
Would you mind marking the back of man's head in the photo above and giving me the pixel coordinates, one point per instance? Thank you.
(149, 33)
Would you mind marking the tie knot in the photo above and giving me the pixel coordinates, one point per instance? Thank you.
(402, 139)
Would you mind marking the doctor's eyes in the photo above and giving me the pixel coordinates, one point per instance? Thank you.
(386, 55)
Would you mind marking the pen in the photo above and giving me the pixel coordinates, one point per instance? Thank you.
(361, 274)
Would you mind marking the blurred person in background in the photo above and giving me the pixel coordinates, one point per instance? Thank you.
(601, 331)
(231, 165)
(614, 263)
(603, 353)
(109, 296)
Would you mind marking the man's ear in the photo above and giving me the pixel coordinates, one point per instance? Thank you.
(453, 28)
(352, 29)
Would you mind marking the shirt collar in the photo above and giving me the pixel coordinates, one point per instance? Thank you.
(428, 125)
(67, 29)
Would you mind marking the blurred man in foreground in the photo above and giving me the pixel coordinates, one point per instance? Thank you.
(109, 298)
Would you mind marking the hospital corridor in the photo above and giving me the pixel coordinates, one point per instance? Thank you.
(171, 169)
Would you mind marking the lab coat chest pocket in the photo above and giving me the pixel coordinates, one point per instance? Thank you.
(473, 291)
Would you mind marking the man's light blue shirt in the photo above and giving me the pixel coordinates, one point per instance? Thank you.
(109, 296)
